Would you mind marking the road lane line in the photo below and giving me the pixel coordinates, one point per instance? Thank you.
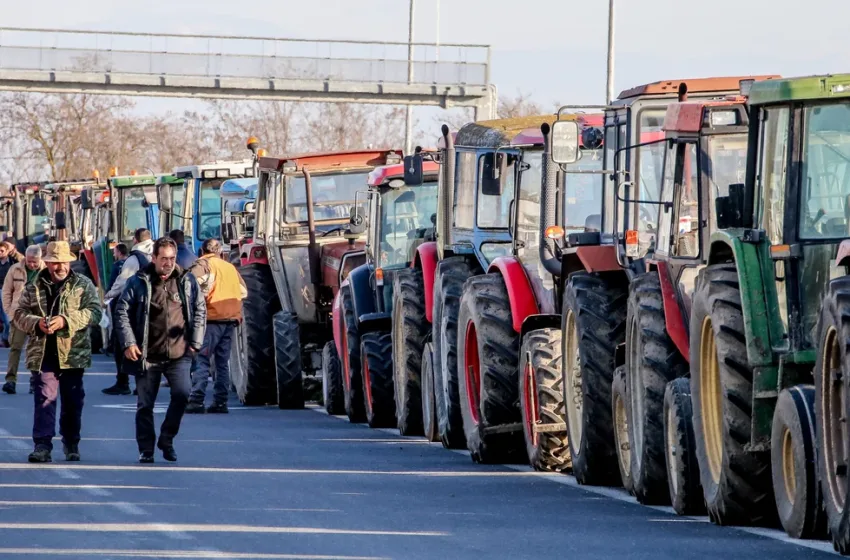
(85, 486)
(201, 554)
(208, 528)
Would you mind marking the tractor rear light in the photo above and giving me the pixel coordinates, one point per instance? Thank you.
(554, 232)
(632, 245)
(379, 276)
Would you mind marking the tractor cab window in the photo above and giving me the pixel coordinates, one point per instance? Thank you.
(724, 163)
(773, 166)
(133, 212)
(208, 220)
(649, 172)
(528, 211)
(686, 207)
(405, 222)
(178, 197)
(465, 190)
(582, 197)
(40, 225)
(825, 187)
(494, 209)
(333, 197)
(665, 218)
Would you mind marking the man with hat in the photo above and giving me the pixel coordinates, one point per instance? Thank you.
(56, 310)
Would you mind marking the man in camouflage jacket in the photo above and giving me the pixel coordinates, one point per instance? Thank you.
(56, 311)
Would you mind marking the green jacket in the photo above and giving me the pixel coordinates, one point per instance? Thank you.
(78, 305)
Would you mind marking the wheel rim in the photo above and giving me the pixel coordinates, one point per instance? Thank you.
(636, 391)
(672, 467)
(835, 430)
(532, 416)
(573, 382)
(789, 473)
(710, 399)
(471, 369)
(621, 425)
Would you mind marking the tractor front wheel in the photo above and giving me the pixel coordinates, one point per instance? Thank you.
(258, 310)
(353, 381)
(429, 415)
(680, 447)
(410, 329)
(287, 360)
(620, 414)
(376, 351)
(332, 388)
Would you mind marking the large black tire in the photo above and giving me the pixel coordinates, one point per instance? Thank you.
(832, 376)
(332, 388)
(593, 324)
(449, 277)
(652, 361)
(680, 447)
(429, 413)
(287, 361)
(541, 400)
(258, 309)
(410, 330)
(622, 433)
(736, 482)
(237, 361)
(353, 380)
(487, 352)
(793, 460)
(376, 352)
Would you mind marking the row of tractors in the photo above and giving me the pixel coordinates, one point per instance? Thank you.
(652, 294)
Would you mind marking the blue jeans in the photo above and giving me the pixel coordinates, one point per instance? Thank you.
(217, 341)
(177, 374)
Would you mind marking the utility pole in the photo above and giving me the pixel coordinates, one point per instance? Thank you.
(609, 92)
(408, 120)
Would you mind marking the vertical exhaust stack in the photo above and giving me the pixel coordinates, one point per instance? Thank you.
(312, 248)
(447, 189)
(548, 214)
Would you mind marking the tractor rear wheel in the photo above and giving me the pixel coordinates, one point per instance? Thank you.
(542, 401)
(429, 414)
(832, 387)
(488, 348)
(258, 310)
(410, 329)
(622, 434)
(736, 482)
(237, 362)
(680, 447)
(376, 351)
(353, 381)
(287, 361)
(592, 326)
(449, 277)
(652, 361)
(332, 389)
(793, 461)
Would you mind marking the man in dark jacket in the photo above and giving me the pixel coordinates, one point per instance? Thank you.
(160, 318)
(119, 254)
(5, 264)
(185, 256)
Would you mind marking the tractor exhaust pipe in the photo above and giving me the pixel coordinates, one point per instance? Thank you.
(312, 248)
(549, 170)
(446, 193)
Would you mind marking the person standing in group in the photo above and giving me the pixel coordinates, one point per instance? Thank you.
(160, 318)
(139, 258)
(5, 314)
(12, 250)
(185, 256)
(21, 274)
(119, 255)
(224, 291)
(56, 310)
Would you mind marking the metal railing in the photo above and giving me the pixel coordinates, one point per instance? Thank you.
(224, 56)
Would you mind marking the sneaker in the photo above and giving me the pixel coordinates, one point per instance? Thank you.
(40, 455)
(168, 452)
(72, 452)
(218, 409)
(146, 457)
(117, 389)
(9, 387)
(195, 408)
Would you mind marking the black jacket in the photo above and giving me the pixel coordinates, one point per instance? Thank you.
(133, 309)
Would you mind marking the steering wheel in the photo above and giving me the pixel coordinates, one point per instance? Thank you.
(208, 231)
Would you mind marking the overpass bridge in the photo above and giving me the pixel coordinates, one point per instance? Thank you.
(245, 67)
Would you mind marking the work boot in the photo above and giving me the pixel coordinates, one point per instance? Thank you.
(146, 457)
(195, 408)
(117, 389)
(168, 452)
(72, 451)
(41, 454)
(9, 387)
(218, 409)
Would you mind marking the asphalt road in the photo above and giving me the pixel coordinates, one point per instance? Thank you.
(264, 483)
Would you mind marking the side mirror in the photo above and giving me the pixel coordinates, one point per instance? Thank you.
(413, 170)
(60, 220)
(565, 142)
(87, 199)
(357, 221)
(493, 174)
(163, 197)
(37, 207)
(730, 209)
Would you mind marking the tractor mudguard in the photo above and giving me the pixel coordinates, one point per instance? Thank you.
(591, 258)
(362, 294)
(540, 321)
(520, 295)
(256, 254)
(675, 323)
(426, 261)
(338, 324)
(374, 322)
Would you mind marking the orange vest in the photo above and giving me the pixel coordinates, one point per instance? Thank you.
(224, 301)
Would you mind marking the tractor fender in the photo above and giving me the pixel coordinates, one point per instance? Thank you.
(362, 295)
(253, 253)
(338, 324)
(672, 313)
(426, 260)
(541, 321)
(520, 295)
(374, 322)
(591, 258)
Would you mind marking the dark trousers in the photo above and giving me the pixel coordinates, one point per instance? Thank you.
(218, 339)
(118, 355)
(147, 384)
(47, 388)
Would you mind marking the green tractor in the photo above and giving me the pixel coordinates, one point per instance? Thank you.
(770, 320)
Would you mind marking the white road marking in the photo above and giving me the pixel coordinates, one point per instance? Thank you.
(201, 554)
(14, 438)
(208, 528)
(85, 486)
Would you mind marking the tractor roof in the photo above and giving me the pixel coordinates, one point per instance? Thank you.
(695, 85)
(690, 116)
(502, 132)
(217, 170)
(534, 137)
(330, 161)
(56, 186)
(386, 173)
(830, 86)
(141, 180)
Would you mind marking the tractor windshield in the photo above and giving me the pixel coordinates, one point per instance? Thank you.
(37, 225)
(333, 196)
(582, 195)
(133, 212)
(406, 220)
(725, 163)
(825, 189)
(208, 220)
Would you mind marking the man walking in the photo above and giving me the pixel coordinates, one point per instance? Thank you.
(5, 314)
(139, 258)
(56, 310)
(185, 256)
(223, 290)
(20, 275)
(160, 318)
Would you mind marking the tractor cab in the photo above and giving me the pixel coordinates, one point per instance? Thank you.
(7, 215)
(238, 206)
